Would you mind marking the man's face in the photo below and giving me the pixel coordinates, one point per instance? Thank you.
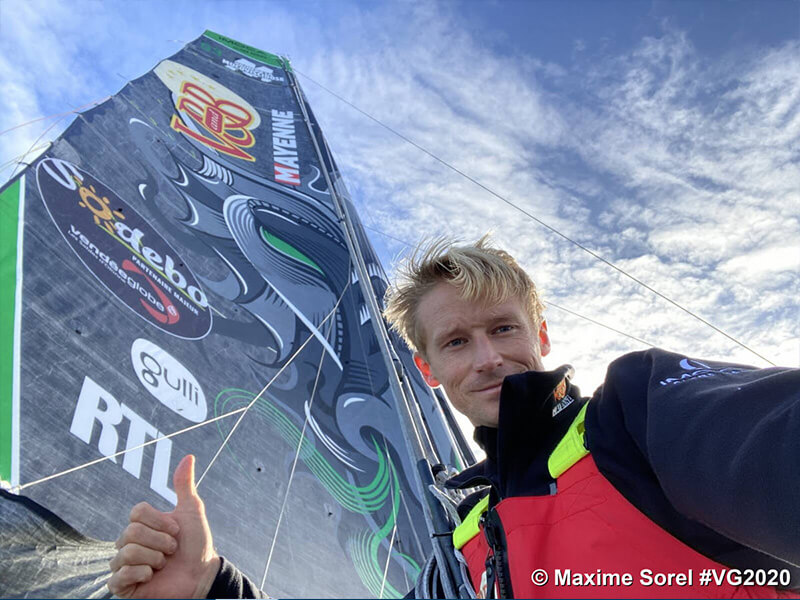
(471, 347)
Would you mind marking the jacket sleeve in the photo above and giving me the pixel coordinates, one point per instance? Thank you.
(723, 442)
(230, 582)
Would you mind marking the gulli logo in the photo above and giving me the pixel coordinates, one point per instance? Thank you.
(168, 381)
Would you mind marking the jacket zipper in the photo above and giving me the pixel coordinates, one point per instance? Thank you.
(497, 560)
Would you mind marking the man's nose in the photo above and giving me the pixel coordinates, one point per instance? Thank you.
(486, 356)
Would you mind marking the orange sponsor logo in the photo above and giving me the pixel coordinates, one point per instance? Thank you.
(561, 390)
(226, 122)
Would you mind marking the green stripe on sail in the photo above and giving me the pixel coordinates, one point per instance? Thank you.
(249, 51)
(360, 500)
(9, 220)
(364, 549)
(287, 249)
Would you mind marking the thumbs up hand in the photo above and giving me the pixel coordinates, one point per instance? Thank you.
(166, 555)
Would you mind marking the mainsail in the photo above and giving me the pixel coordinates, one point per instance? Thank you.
(183, 271)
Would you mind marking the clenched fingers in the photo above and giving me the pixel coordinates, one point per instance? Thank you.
(155, 519)
(133, 554)
(142, 535)
(129, 575)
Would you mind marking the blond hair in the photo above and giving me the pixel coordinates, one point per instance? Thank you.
(481, 273)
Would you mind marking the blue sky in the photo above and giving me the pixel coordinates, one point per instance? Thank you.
(662, 135)
(550, 29)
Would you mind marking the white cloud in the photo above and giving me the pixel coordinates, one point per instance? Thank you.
(766, 263)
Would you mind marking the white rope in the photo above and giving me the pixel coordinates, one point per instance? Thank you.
(19, 488)
(16, 159)
(264, 389)
(388, 559)
(294, 462)
(537, 219)
(31, 147)
(394, 529)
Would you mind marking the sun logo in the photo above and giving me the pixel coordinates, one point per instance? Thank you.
(99, 205)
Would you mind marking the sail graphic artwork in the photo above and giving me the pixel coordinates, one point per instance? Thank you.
(183, 272)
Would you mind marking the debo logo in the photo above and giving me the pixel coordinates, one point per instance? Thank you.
(168, 380)
(123, 251)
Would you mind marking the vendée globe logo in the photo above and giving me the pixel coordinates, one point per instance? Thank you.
(123, 251)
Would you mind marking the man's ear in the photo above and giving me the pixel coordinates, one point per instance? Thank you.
(544, 339)
(425, 369)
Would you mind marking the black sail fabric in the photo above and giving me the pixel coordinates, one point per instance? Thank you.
(183, 271)
(43, 557)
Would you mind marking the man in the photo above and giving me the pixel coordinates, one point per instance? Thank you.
(675, 469)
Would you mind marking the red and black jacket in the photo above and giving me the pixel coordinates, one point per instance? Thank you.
(708, 452)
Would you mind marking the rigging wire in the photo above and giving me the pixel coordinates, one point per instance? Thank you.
(294, 461)
(264, 389)
(19, 488)
(548, 303)
(69, 112)
(17, 158)
(36, 141)
(388, 557)
(572, 312)
(536, 219)
(394, 528)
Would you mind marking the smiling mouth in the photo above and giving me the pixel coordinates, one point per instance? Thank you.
(491, 388)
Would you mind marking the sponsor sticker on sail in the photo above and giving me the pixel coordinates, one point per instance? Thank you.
(123, 251)
(284, 148)
(168, 381)
(121, 427)
(209, 112)
(251, 69)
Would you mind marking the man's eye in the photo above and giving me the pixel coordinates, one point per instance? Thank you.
(504, 328)
(455, 343)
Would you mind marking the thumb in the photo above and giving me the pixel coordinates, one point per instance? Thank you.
(183, 482)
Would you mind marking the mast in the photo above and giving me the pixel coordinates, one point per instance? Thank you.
(418, 445)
